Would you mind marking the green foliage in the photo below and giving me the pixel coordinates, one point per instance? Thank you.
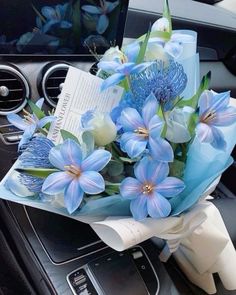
(112, 188)
(115, 168)
(36, 110)
(68, 135)
(177, 169)
(37, 172)
(166, 14)
(143, 47)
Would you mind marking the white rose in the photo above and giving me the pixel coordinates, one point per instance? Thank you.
(162, 24)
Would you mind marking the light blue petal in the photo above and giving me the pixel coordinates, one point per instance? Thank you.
(204, 132)
(125, 68)
(92, 182)
(110, 6)
(96, 161)
(39, 103)
(157, 171)
(44, 121)
(133, 144)
(109, 66)
(130, 119)
(65, 24)
(160, 150)
(112, 80)
(102, 24)
(138, 207)
(170, 187)
(225, 117)
(140, 67)
(149, 109)
(71, 152)
(130, 188)
(141, 170)
(27, 135)
(48, 25)
(131, 51)
(158, 206)
(55, 183)
(92, 9)
(205, 101)
(155, 127)
(48, 12)
(218, 139)
(73, 196)
(17, 121)
(174, 49)
(220, 101)
(56, 159)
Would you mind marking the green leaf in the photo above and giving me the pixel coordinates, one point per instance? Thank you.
(37, 172)
(166, 14)
(115, 168)
(158, 34)
(143, 48)
(193, 102)
(193, 120)
(38, 13)
(177, 169)
(68, 135)
(36, 110)
(112, 188)
(128, 160)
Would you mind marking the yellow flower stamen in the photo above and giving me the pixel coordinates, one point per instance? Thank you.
(147, 188)
(208, 117)
(142, 131)
(73, 170)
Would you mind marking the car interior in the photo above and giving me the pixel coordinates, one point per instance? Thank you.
(45, 253)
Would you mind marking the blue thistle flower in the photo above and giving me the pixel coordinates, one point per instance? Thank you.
(165, 82)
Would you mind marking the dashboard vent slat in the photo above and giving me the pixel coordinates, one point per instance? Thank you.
(14, 90)
(52, 82)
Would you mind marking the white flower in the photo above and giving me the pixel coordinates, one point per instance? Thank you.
(162, 24)
(101, 126)
(177, 125)
(155, 51)
(112, 54)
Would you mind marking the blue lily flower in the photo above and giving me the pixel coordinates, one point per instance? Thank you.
(30, 123)
(105, 8)
(54, 16)
(214, 111)
(150, 190)
(36, 156)
(166, 82)
(78, 175)
(141, 132)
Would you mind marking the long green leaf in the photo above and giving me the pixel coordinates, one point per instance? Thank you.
(68, 135)
(156, 34)
(37, 172)
(36, 110)
(166, 14)
(143, 48)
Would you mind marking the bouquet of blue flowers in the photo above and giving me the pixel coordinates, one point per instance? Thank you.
(154, 155)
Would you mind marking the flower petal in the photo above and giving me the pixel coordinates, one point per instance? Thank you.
(138, 207)
(96, 161)
(27, 135)
(220, 100)
(108, 66)
(158, 206)
(91, 9)
(130, 188)
(141, 169)
(112, 80)
(17, 121)
(56, 183)
(102, 24)
(56, 159)
(111, 6)
(155, 127)
(39, 103)
(92, 182)
(157, 171)
(130, 119)
(170, 187)
(44, 121)
(132, 144)
(160, 150)
(140, 67)
(48, 12)
(204, 132)
(131, 51)
(73, 196)
(225, 117)
(174, 49)
(126, 68)
(218, 139)
(149, 108)
(71, 152)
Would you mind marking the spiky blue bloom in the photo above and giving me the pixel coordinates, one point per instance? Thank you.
(36, 155)
(141, 132)
(77, 175)
(166, 82)
(150, 190)
(214, 112)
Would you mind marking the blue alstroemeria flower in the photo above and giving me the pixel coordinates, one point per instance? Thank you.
(150, 190)
(144, 132)
(214, 111)
(102, 11)
(30, 123)
(78, 175)
(54, 17)
(166, 82)
(36, 155)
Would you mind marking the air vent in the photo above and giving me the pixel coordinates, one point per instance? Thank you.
(53, 81)
(14, 90)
